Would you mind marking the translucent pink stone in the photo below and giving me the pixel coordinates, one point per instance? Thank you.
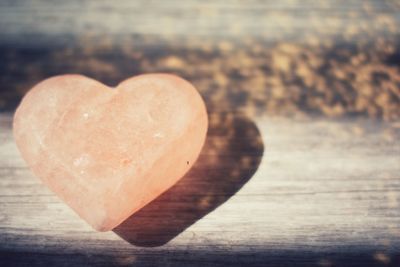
(108, 152)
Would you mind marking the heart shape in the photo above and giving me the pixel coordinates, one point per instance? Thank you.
(108, 152)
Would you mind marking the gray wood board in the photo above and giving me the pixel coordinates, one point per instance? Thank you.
(266, 191)
(237, 19)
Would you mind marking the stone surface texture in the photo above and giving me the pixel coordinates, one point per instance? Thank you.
(107, 152)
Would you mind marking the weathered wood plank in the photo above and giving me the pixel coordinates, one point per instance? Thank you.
(313, 192)
(196, 18)
(267, 191)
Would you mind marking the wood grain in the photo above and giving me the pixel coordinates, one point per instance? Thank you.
(271, 19)
(275, 185)
(266, 191)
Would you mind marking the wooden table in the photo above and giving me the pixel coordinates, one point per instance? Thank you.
(266, 191)
(302, 160)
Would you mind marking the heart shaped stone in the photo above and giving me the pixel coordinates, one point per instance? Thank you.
(105, 151)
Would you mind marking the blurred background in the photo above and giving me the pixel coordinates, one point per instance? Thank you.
(333, 58)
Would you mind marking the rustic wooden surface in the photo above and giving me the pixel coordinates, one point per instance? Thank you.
(197, 17)
(268, 191)
(302, 161)
(331, 57)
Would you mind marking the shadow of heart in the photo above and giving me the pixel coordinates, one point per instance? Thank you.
(230, 156)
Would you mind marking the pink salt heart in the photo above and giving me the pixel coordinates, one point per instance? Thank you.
(108, 152)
